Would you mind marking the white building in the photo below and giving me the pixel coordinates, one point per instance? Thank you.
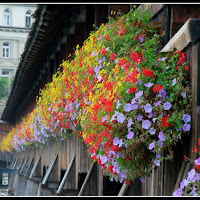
(15, 24)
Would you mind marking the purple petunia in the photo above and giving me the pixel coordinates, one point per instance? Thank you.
(186, 127)
(178, 192)
(134, 106)
(197, 161)
(148, 108)
(139, 118)
(167, 106)
(120, 118)
(141, 39)
(148, 84)
(191, 174)
(118, 104)
(151, 145)
(138, 94)
(117, 142)
(104, 118)
(174, 82)
(129, 122)
(161, 136)
(142, 180)
(146, 124)
(150, 115)
(128, 107)
(130, 135)
(162, 93)
(152, 131)
(186, 118)
(157, 162)
(162, 59)
(157, 103)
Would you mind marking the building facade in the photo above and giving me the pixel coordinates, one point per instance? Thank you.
(15, 24)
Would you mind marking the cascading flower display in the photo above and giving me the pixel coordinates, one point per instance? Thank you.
(128, 103)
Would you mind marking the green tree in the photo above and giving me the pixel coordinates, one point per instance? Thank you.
(4, 85)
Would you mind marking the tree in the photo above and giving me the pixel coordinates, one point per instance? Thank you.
(4, 85)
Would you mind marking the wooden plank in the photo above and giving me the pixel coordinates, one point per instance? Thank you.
(66, 175)
(29, 167)
(20, 172)
(34, 167)
(20, 164)
(123, 189)
(49, 169)
(13, 167)
(86, 180)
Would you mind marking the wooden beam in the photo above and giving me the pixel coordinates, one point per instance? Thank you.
(46, 176)
(65, 175)
(34, 167)
(123, 189)
(20, 172)
(29, 167)
(86, 180)
(20, 165)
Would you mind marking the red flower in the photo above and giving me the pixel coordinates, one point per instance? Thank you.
(187, 68)
(185, 158)
(157, 88)
(195, 149)
(199, 141)
(112, 56)
(135, 57)
(177, 68)
(121, 32)
(164, 122)
(147, 72)
(107, 37)
(132, 90)
(103, 51)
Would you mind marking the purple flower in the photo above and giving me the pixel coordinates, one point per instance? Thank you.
(167, 106)
(162, 59)
(138, 94)
(161, 136)
(178, 192)
(162, 93)
(100, 37)
(150, 115)
(148, 84)
(157, 162)
(142, 180)
(104, 159)
(141, 39)
(151, 145)
(139, 81)
(120, 142)
(193, 193)
(197, 161)
(133, 101)
(195, 177)
(174, 82)
(134, 106)
(186, 118)
(154, 120)
(160, 143)
(148, 108)
(130, 135)
(139, 118)
(104, 118)
(116, 141)
(191, 174)
(152, 131)
(118, 104)
(157, 103)
(186, 127)
(183, 94)
(158, 155)
(127, 107)
(120, 118)
(129, 122)
(146, 124)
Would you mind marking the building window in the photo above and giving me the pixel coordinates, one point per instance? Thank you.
(7, 17)
(6, 73)
(6, 50)
(28, 18)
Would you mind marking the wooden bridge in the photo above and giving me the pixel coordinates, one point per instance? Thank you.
(65, 168)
